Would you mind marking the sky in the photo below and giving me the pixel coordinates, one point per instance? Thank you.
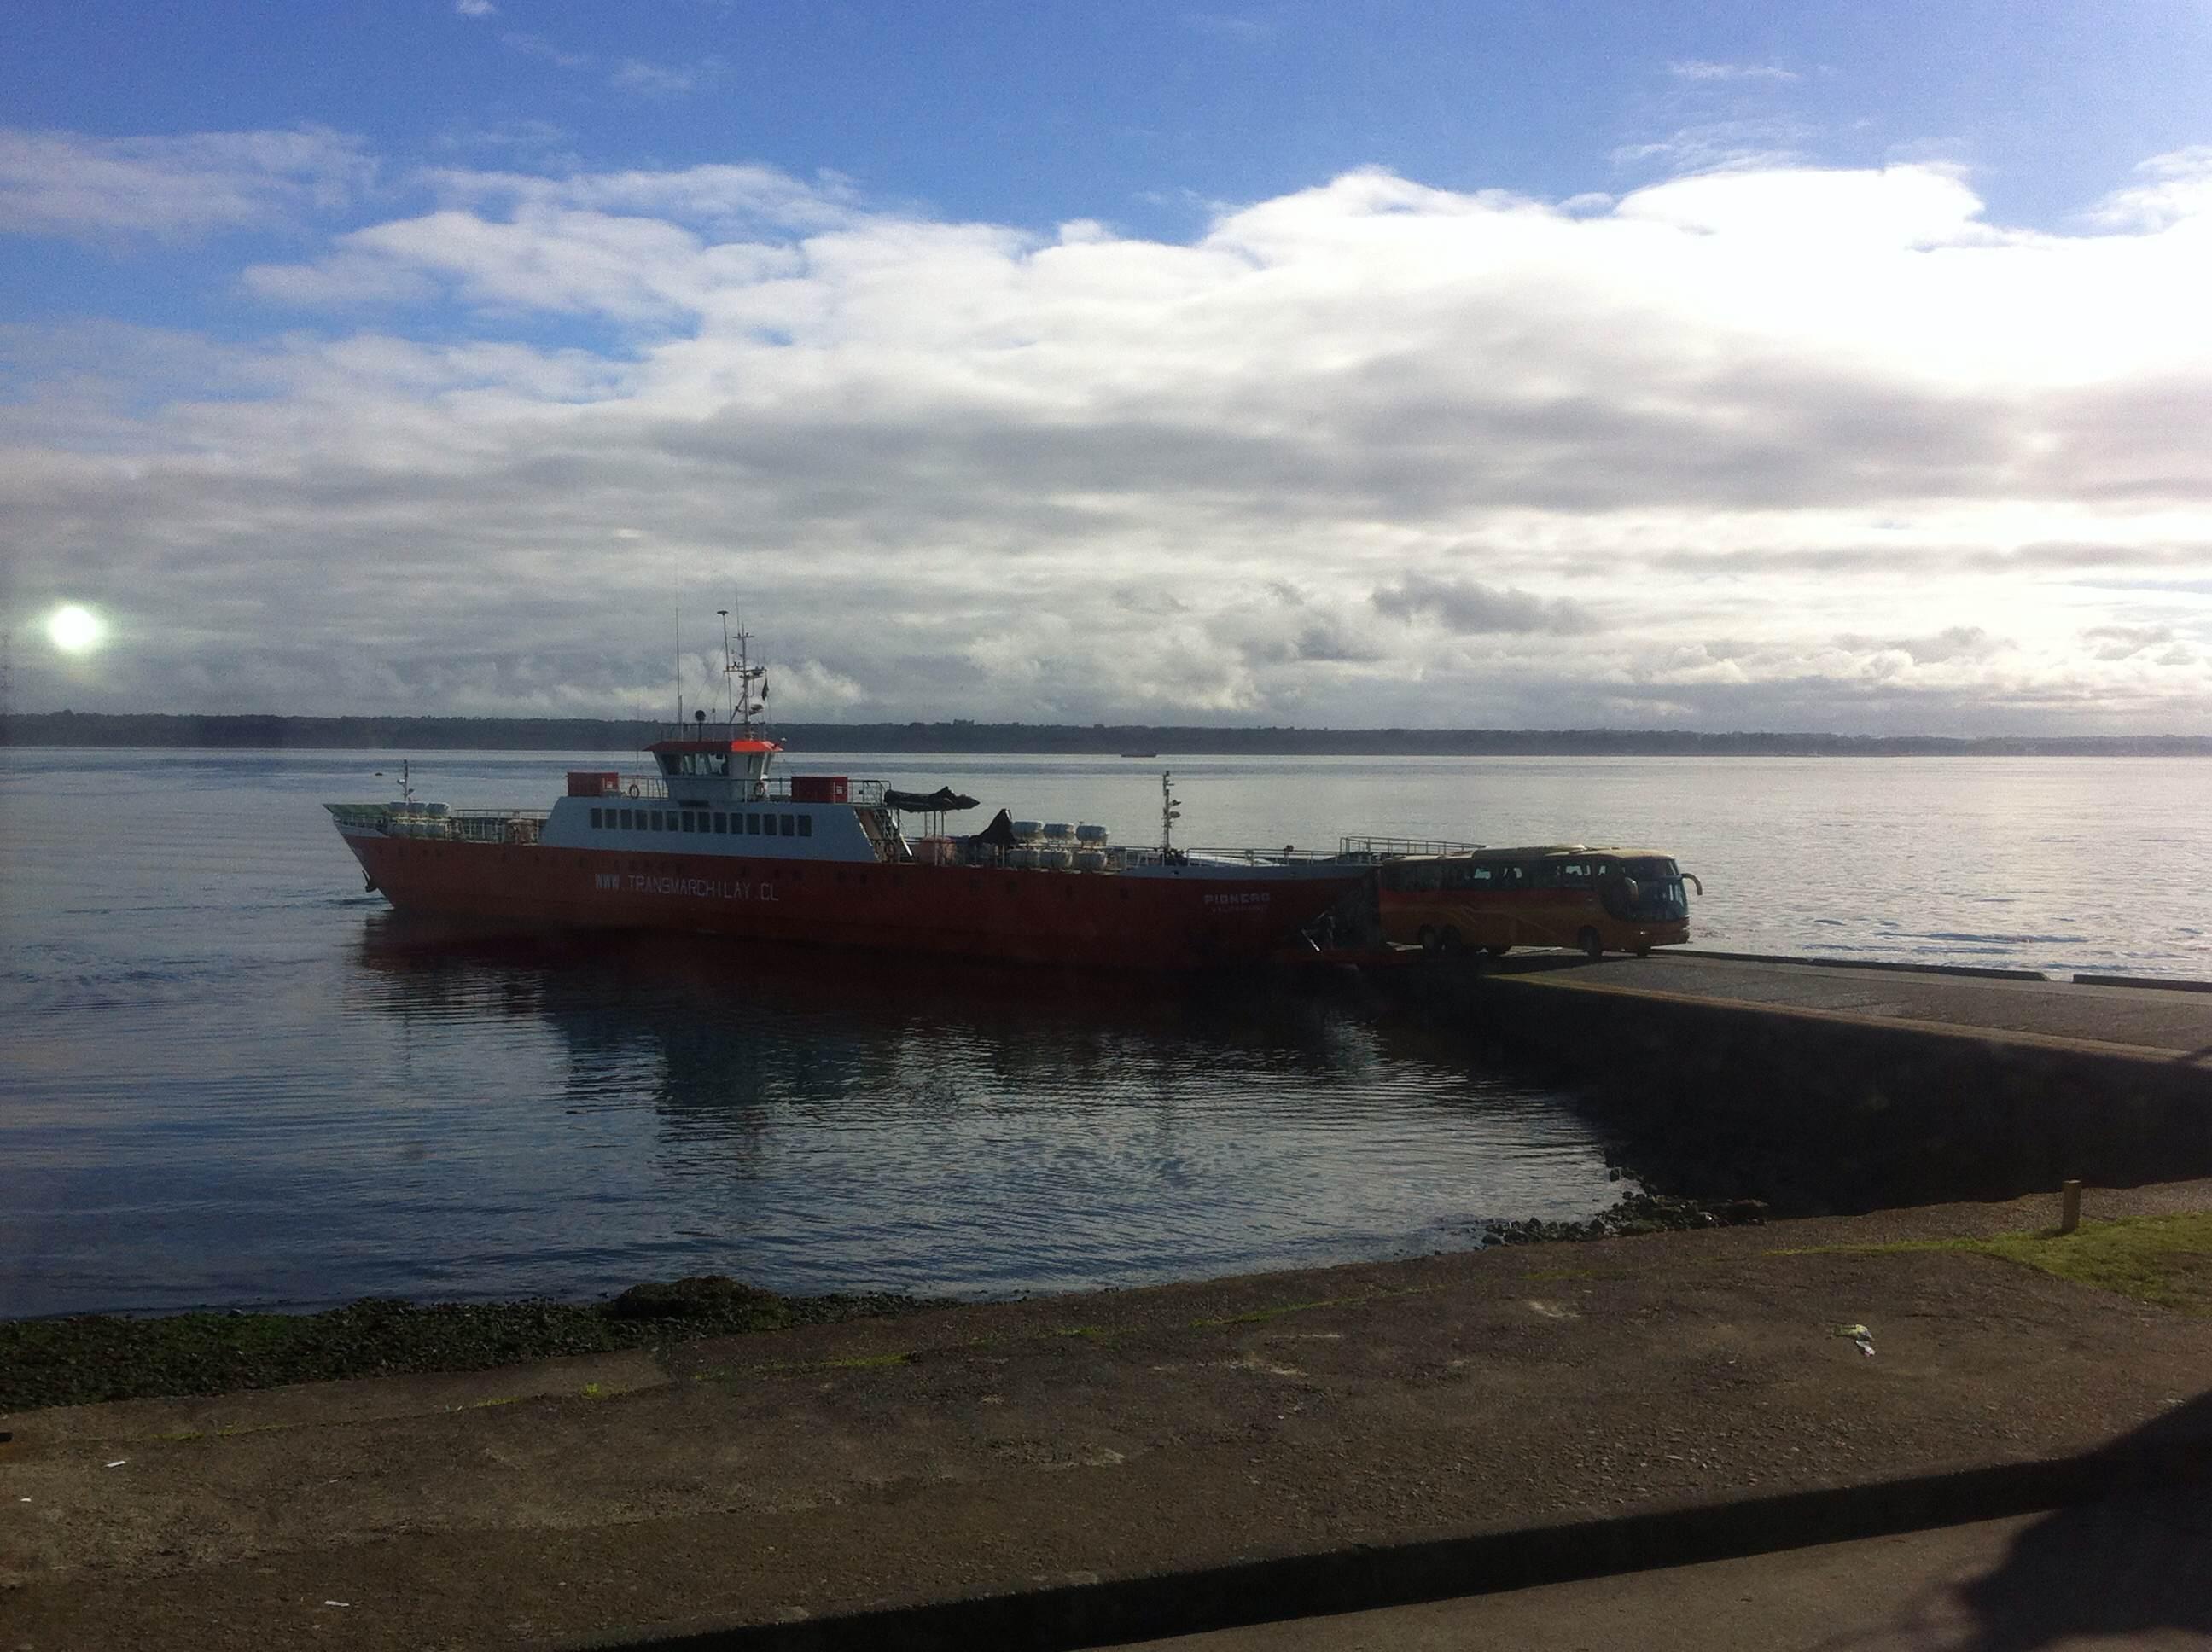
(1836, 367)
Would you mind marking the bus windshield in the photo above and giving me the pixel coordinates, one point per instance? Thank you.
(1657, 895)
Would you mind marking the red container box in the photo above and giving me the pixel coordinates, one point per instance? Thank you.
(592, 783)
(818, 788)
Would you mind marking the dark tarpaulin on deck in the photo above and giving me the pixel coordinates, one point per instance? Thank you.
(1000, 832)
(941, 801)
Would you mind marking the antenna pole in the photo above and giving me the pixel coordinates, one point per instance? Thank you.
(725, 613)
(1168, 813)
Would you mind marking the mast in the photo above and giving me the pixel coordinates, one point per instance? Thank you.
(746, 701)
(1168, 813)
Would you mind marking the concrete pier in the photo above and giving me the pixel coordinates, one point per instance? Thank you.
(1833, 1086)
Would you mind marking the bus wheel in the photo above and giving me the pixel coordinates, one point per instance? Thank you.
(1590, 944)
(1427, 938)
(1449, 941)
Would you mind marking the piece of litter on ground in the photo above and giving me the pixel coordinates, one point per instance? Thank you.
(119, 1462)
(337, 1603)
(1859, 1334)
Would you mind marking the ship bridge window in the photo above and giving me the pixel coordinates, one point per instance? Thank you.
(789, 828)
(752, 824)
(690, 821)
(722, 822)
(694, 762)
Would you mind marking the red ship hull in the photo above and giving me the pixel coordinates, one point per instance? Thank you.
(1185, 920)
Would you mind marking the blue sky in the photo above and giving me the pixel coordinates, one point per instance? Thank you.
(1710, 366)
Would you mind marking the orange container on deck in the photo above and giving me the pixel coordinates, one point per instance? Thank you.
(818, 788)
(592, 783)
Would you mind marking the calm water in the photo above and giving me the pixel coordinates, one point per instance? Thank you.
(229, 1076)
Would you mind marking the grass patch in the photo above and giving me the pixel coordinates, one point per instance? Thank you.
(1261, 1315)
(2164, 1260)
(89, 1358)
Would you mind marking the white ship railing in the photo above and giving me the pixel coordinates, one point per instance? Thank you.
(1390, 848)
(1284, 856)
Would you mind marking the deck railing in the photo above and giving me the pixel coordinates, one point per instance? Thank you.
(1390, 848)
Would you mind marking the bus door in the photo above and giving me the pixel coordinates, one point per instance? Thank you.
(1568, 903)
(1473, 890)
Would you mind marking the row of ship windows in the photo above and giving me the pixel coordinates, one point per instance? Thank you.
(747, 824)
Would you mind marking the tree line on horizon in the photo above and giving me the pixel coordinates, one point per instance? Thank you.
(248, 732)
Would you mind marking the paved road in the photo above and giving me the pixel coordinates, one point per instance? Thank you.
(2136, 1573)
(2151, 1019)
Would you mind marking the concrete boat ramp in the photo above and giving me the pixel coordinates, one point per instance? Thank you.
(2160, 1020)
(1823, 1086)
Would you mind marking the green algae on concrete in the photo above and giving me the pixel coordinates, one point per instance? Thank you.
(2165, 1260)
(89, 1358)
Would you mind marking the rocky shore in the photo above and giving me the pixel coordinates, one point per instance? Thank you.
(86, 1358)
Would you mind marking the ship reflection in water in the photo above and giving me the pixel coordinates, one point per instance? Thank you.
(811, 1121)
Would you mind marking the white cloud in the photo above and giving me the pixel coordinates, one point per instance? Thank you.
(1468, 607)
(1711, 145)
(536, 46)
(653, 80)
(1699, 69)
(1776, 447)
(66, 184)
(476, 8)
(2172, 190)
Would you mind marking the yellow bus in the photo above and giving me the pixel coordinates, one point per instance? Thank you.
(1559, 895)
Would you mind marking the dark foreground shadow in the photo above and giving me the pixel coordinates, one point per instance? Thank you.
(2136, 1565)
(2132, 1566)
(2129, 1566)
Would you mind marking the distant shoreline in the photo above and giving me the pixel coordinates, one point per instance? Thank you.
(75, 729)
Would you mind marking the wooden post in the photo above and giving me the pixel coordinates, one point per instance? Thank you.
(2069, 1206)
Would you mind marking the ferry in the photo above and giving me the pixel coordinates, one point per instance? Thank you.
(707, 841)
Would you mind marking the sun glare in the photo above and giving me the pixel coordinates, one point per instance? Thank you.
(74, 630)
